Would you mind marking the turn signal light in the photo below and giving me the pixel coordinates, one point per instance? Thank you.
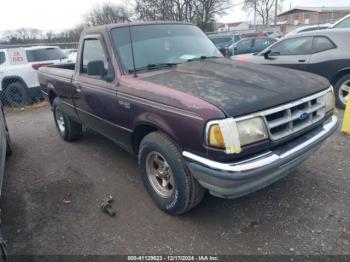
(216, 139)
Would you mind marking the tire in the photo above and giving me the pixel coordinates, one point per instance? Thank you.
(183, 191)
(67, 128)
(16, 95)
(341, 89)
(8, 138)
(8, 144)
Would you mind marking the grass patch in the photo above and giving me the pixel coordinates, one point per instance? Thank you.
(26, 108)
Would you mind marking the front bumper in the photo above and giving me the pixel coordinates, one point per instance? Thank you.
(233, 180)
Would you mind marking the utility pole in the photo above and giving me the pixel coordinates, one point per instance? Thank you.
(276, 11)
(255, 15)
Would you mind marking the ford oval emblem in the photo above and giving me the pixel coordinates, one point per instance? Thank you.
(304, 115)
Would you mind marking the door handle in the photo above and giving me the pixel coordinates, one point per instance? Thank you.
(302, 60)
(78, 88)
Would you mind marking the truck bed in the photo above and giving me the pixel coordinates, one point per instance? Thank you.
(63, 71)
(56, 75)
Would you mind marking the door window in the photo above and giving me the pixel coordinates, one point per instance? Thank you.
(93, 51)
(293, 46)
(2, 58)
(262, 43)
(321, 44)
(244, 46)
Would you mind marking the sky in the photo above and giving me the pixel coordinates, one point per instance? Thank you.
(58, 15)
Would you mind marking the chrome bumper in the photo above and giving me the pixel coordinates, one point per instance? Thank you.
(232, 180)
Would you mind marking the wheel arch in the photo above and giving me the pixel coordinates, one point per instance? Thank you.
(6, 81)
(51, 93)
(143, 129)
(339, 75)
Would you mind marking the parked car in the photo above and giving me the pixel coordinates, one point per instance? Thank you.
(254, 34)
(195, 120)
(71, 55)
(69, 51)
(252, 45)
(326, 53)
(274, 34)
(309, 28)
(224, 43)
(5, 150)
(18, 72)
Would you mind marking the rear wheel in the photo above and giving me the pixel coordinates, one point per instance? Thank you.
(342, 89)
(166, 176)
(67, 128)
(16, 94)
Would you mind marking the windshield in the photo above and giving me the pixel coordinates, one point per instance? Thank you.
(161, 44)
(47, 54)
(343, 24)
(221, 40)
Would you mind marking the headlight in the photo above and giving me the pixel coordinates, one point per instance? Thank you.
(330, 100)
(252, 131)
(249, 131)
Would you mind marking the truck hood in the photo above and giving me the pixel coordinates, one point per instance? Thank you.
(239, 88)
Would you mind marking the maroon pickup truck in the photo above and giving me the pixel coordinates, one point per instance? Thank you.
(196, 120)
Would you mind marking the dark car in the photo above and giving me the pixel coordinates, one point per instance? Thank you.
(195, 120)
(252, 45)
(224, 43)
(324, 52)
(5, 150)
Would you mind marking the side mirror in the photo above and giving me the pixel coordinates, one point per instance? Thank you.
(96, 68)
(267, 54)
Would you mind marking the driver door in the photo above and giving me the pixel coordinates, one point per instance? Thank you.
(293, 53)
(94, 96)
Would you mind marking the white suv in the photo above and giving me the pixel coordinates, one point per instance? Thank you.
(18, 72)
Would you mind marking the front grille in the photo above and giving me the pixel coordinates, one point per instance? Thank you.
(294, 117)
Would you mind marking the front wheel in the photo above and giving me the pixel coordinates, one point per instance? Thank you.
(66, 127)
(166, 176)
(342, 89)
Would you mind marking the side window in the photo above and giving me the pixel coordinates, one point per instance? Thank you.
(93, 51)
(293, 46)
(262, 43)
(343, 24)
(2, 58)
(321, 44)
(245, 44)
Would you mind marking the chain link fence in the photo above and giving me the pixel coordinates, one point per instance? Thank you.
(16, 94)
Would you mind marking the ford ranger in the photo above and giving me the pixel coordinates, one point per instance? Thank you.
(197, 122)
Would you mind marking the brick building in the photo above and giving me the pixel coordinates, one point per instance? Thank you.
(300, 16)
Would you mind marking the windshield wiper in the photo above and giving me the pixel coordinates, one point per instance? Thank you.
(203, 57)
(153, 67)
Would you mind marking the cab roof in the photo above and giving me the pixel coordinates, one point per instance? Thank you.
(108, 27)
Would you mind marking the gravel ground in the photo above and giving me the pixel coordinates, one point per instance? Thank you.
(53, 190)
